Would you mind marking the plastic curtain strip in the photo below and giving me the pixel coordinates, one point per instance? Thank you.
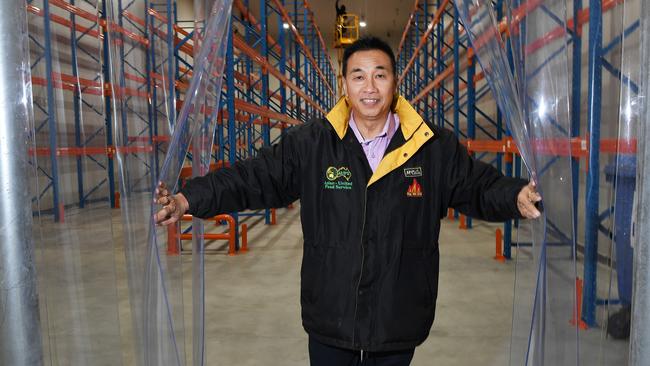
(155, 278)
(479, 21)
(640, 334)
(72, 230)
(533, 95)
(20, 334)
(553, 334)
(620, 176)
(201, 157)
(154, 282)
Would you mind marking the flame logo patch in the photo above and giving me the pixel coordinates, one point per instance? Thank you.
(414, 189)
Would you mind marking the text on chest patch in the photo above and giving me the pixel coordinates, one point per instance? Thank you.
(413, 172)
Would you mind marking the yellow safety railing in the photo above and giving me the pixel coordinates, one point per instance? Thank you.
(346, 30)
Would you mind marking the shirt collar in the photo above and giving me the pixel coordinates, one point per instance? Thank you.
(389, 128)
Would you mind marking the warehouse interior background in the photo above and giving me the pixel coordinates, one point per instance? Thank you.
(106, 82)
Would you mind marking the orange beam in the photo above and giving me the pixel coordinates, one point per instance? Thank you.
(264, 112)
(90, 151)
(65, 22)
(248, 50)
(578, 147)
(75, 10)
(88, 16)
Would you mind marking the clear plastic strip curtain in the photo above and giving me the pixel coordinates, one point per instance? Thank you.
(156, 282)
(202, 153)
(619, 122)
(75, 252)
(533, 94)
(20, 333)
(640, 337)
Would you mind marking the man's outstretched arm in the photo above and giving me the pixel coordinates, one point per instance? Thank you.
(269, 180)
(478, 190)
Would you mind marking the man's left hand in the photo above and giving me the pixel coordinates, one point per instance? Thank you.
(526, 200)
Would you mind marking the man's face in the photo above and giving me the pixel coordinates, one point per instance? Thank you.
(370, 85)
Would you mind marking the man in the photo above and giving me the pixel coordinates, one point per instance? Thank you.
(340, 10)
(374, 181)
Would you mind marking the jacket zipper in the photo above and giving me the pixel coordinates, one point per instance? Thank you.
(356, 303)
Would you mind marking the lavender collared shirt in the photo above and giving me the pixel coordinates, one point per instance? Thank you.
(375, 147)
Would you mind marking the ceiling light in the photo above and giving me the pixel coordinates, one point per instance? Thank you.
(362, 23)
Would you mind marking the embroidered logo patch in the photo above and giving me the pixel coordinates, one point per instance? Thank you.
(414, 189)
(334, 173)
(413, 172)
(334, 181)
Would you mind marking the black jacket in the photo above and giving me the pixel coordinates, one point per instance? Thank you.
(370, 262)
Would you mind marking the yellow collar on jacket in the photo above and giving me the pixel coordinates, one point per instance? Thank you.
(415, 132)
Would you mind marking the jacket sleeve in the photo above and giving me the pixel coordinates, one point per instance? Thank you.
(477, 189)
(271, 179)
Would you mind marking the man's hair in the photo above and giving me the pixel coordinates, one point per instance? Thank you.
(368, 44)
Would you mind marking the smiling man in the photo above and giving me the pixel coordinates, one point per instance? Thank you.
(374, 180)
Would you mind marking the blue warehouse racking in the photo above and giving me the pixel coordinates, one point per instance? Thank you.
(272, 82)
(439, 75)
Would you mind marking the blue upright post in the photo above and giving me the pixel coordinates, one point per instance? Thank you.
(282, 64)
(507, 225)
(499, 8)
(471, 112)
(456, 81)
(122, 79)
(106, 70)
(76, 106)
(151, 103)
(171, 66)
(296, 68)
(575, 105)
(51, 114)
(307, 67)
(593, 185)
(440, 67)
(232, 125)
(417, 65)
(250, 91)
(266, 129)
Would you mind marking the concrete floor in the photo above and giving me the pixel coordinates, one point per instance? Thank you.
(254, 314)
(252, 300)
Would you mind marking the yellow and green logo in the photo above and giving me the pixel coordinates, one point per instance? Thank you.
(334, 173)
(333, 176)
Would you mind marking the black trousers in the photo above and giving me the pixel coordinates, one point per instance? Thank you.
(323, 355)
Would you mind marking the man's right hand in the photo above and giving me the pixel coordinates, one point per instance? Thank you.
(174, 206)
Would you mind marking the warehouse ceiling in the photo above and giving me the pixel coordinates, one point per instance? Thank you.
(385, 18)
